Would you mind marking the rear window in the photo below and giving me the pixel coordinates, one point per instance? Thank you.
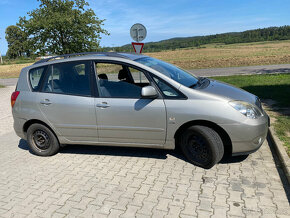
(35, 77)
(72, 78)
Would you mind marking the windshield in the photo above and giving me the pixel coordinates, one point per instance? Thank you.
(169, 70)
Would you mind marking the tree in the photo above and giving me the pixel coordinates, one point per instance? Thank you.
(17, 41)
(63, 26)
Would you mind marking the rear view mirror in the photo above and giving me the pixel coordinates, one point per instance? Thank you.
(149, 92)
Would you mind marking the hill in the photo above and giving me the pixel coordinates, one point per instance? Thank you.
(257, 35)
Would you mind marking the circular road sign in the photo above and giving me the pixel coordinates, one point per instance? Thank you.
(138, 32)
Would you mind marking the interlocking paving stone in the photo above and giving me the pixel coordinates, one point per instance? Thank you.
(86, 181)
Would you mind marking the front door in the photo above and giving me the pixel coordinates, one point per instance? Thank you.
(123, 117)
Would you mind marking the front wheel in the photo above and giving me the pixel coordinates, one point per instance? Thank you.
(202, 146)
(41, 140)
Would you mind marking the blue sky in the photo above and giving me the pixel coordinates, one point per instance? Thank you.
(168, 18)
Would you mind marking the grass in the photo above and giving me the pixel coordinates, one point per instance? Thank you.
(282, 128)
(7, 61)
(2, 86)
(275, 87)
(269, 86)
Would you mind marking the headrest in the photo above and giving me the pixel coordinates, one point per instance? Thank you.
(123, 74)
(103, 76)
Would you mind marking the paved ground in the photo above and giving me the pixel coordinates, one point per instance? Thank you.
(8, 82)
(281, 68)
(6, 120)
(84, 181)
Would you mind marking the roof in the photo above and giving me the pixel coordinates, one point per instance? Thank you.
(131, 56)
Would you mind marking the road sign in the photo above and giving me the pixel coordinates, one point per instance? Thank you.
(138, 46)
(138, 32)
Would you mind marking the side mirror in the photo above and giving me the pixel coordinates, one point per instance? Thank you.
(149, 92)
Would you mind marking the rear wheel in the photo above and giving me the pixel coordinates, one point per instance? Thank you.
(41, 140)
(202, 146)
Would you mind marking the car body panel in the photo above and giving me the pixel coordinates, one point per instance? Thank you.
(73, 117)
(141, 121)
(228, 91)
(138, 122)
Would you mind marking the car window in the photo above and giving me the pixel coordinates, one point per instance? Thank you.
(168, 91)
(68, 78)
(169, 70)
(118, 81)
(138, 76)
(35, 77)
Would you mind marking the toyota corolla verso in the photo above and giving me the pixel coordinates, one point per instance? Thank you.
(121, 99)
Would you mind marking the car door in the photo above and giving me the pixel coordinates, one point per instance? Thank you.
(66, 101)
(123, 117)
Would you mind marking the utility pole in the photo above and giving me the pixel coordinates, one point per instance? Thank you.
(1, 61)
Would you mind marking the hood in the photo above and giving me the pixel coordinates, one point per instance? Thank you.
(230, 92)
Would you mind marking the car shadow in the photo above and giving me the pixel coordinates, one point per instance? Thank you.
(233, 159)
(128, 152)
(141, 103)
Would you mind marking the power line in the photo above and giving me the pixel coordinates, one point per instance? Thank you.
(1, 60)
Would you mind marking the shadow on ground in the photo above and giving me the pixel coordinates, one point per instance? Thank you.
(271, 71)
(128, 152)
(278, 92)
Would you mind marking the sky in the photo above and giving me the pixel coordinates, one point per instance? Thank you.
(167, 18)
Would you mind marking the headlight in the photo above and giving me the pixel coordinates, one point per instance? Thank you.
(246, 109)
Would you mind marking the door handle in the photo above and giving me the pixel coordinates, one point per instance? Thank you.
(45, 102)
(103, 105)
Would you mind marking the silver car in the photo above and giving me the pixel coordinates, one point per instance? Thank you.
(121, 99)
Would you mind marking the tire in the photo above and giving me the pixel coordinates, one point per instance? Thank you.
(202, 146)
(41, 140)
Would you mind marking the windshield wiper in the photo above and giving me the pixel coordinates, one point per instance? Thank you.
(199, 82)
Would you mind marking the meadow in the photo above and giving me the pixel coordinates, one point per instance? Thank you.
(233, 55)
(207, 56)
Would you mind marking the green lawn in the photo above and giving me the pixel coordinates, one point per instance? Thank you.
(275, 87)
(2, 86)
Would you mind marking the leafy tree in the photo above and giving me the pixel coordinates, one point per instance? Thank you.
(63, 26)
(17, 42)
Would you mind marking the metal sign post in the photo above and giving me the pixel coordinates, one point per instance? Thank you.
(138, 33)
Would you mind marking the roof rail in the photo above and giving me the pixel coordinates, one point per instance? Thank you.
(109, 54)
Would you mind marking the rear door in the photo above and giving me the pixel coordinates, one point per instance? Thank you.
(66, 101)
(123, 117)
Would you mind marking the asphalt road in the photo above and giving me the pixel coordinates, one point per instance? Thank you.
(265, 69)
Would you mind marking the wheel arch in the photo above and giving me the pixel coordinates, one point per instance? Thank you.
(227, 142)
(28, 123)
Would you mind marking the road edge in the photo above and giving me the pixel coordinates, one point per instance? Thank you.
(281, 153)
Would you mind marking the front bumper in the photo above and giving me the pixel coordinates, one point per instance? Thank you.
(247, 137)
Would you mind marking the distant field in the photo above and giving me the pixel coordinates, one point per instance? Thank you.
(12, 70)
(208, 56)
(233, 55)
